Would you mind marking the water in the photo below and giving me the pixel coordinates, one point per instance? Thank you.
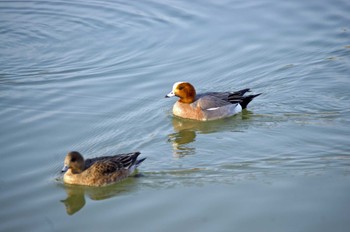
(91, 76)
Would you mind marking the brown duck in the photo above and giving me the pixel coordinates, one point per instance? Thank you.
(99, 171)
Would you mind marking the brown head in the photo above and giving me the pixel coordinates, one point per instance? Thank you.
(184, 90)
(74, 161)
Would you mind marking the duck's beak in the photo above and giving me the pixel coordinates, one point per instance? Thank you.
(171, 94)
(65, 168)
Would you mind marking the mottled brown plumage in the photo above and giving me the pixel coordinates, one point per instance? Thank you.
(99, 171)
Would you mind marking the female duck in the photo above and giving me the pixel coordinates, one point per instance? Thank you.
(99, 171)
(207, 106)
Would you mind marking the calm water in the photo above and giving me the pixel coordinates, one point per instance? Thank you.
(91, 76)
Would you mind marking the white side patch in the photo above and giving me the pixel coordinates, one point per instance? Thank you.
(213, 108)
(238, 109)
(132, 169)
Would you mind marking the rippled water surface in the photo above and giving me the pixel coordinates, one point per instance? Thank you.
(91, 76)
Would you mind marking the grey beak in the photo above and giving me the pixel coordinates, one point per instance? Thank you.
(171, 94)
(65, 168)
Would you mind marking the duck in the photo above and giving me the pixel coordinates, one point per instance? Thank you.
(210, 105)
(99, 171)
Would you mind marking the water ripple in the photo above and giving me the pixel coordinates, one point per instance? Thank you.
(50, 40)
(91, 76)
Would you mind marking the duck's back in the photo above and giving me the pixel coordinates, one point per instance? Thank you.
(121, 160)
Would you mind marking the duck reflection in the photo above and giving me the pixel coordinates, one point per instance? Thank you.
(75, 200)
(185, 131)
(181, 140)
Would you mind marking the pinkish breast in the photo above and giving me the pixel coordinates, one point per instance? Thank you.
(187, 111)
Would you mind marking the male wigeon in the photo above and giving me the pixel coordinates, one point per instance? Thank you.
(207, 106)
(99, 171)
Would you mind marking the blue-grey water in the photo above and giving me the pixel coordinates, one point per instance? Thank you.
(92, 75)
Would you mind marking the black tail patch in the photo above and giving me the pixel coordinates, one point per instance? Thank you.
(237, 97)
(245, 100)
(242, 92)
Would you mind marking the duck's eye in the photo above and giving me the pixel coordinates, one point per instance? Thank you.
(73, 160)
(181, 88)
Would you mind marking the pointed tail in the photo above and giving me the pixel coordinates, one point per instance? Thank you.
(138, 162)
(245, 101)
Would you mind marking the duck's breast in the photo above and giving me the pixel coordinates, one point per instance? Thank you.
(185, 110)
